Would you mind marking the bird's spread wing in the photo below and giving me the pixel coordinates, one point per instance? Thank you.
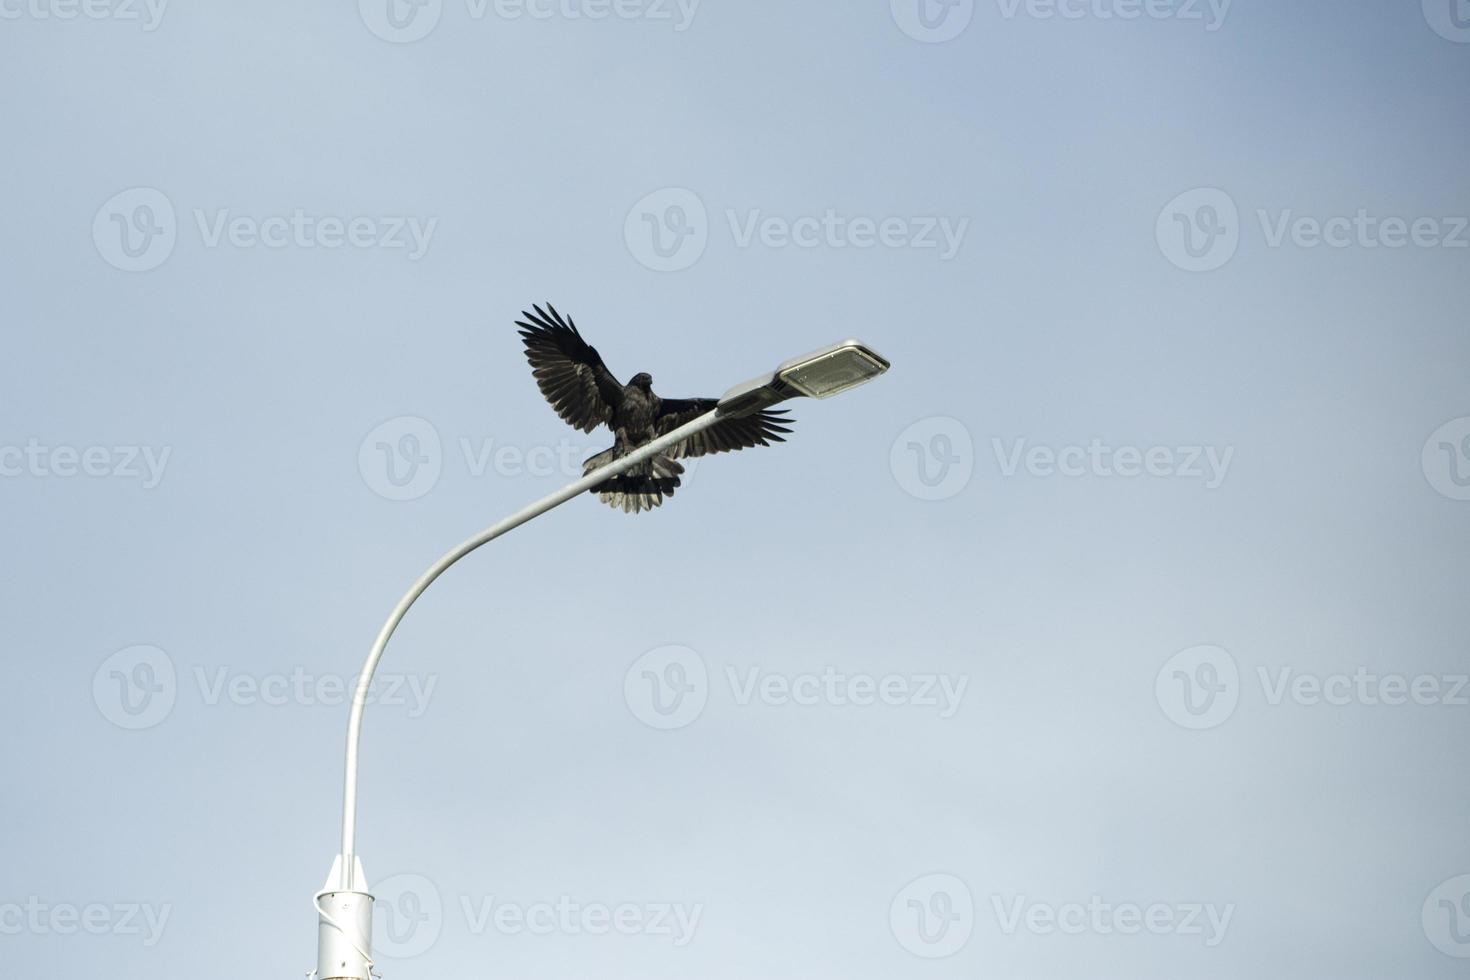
(568, 370)
(727, 435)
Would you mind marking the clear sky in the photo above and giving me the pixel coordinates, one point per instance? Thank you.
(1119, 631)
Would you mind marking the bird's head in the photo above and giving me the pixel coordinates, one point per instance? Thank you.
(642, 380)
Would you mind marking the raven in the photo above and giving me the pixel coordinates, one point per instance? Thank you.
(585, 394)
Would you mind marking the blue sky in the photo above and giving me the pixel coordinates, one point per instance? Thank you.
(1118, 631)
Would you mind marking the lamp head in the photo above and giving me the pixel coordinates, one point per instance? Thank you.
(832, 370)
(820, 374)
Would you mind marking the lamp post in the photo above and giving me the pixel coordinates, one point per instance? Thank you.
(344, 906)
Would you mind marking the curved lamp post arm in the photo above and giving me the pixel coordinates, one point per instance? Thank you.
(344, 906)
(347, 864)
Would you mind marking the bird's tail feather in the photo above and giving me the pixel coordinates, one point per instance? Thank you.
(641, 488)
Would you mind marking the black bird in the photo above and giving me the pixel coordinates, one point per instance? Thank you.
(585, 394)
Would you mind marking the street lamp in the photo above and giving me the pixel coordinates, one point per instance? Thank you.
(344, 907)
(820, 374)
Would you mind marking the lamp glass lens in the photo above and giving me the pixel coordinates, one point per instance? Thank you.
(831, 373)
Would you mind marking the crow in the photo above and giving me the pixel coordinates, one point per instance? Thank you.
(571, 375)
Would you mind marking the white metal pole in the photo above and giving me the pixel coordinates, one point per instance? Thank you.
(347, 876)
(344, 906)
